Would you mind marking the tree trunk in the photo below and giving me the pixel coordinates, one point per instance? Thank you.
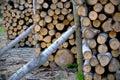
(43, 57)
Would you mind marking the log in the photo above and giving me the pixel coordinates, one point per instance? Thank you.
(116, 16)
(97, 76)
(88, 76)
(92, 2)
(94, 61)
(87, 54)
(109, 8)
(37, 28)
(96, 23)
(115, 53)
(93, 15)
(91, 43)
(63, 57)
(111, 77)
(102, 17)
(99, 69)
(114, 43)
(86, 66)
(114, 65)
(60, 26)
(51, 58)
(112, 34)
(117, 75)
(102, 38)
(81, 11)
(115, 2)
(106, 26)
(104, 58)
(116, 27)
(98, 7)
(102, 48)
(86, 21)
(103, 2)
(74, 50)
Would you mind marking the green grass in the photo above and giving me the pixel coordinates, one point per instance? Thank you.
(2, 31)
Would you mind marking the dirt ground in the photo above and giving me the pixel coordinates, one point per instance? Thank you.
(17, 57)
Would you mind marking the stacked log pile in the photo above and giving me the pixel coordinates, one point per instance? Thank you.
(100, 20)
(52, 18)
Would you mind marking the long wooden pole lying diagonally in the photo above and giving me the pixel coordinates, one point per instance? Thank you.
(12, 43)
(20, 37)
(43, 57)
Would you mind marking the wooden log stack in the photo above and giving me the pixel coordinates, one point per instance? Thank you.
(101, 39)
(100, 21)
(52, 18)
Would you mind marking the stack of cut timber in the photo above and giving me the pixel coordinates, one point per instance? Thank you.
(52, 18)
(101, 38)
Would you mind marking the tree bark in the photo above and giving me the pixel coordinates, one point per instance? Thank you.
(43, 57)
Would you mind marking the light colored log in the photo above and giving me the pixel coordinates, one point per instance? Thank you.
(102, 17)
(102, 48)
(115, 2)
(65, 45)
(47, 39)
(45, 5)
(57, 11)
(51, 58)
(53, 6)
(94, 61)
(60, 26)
(111, 77)
(50, 12)
(104, 58)
(92, 2)
(74, 50)
(43, 14)
(37, 28)
(112, 34)
(87, 54)
(46, 64)
(67, 5)
(103, 2)
(43, 31)
(114, 43)
(88, 76)
(96, 23)
(51, 32)
(91, 43)
(116, 26)
(102, 38)
(63, 57)
(86, 66)
(81, 11)
(116, 16)
(59, 4)
(97, 76)
(115, 53)
(48, 19)
(99, 69)
(98, 7)
(106, 26)
(93, 15)
(114, 65)
(72, 42)
(50, 26)
(86, 21)
(42, 23)
(109, 8)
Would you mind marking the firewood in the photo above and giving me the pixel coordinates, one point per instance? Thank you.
(36, 17)
(116, 16)
(74, 50)
(87, 54)
(115, 2)
(37, 28)
(92, 2)
(96, 23)
(112, 34)
(63, 57)
(114, 65)
(55, 21)
(99, 69)
(43, 31)
(97, 76)
(93, 15)
(51, 58)
(46, 64)
(98, 7)
(88, 76)
(45, 5)
(65, 45)
(109, 8)
(48, 19)
(102, 38)
(42, 23)
(116, 27)
(60, 26)
(67, 5)
(71, 36)
(72, 42)
(64, 11)
(59, 4)
(47, 39)
(104, 58)
(55, 17)
(58, 34)
(107, 25)
(102, 48)
(53, 6)
(110, 77)
(43, 45)
(86, 66)
(94, 61)
(86, 21)
(81, 11)
(61, 17)
(91, 43)
(43, 14)
(51, 32)
(50, 12)
(54, 1)
(114, 43)
(50, 26)
(103, 1)
(115, 53)
(57, 11)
